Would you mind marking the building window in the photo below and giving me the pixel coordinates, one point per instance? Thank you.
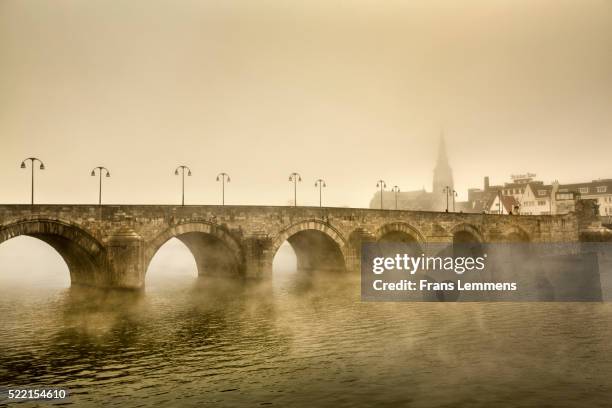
(542, 192)
(583, 190)
(602, 189)
(541, 202)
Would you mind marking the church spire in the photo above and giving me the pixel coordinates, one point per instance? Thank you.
(442, 157)
(443, 174)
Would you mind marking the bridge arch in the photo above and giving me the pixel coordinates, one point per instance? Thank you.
(467, 233)
(516, 234)
(82, 252)
(318, 246)
(402, 230)
(397, 238)
(214, 249)
(467, 241)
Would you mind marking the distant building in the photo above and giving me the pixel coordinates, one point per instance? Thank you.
(528, 196)
(536, 199)
(600, 190)
(488, 199)
(501, 204)
(522, 195)
(564, 202)
(422, 200)
(442, 178)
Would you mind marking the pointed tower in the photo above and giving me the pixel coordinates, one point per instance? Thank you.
(443, 174)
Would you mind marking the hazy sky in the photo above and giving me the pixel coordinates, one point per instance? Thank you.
(351, 91)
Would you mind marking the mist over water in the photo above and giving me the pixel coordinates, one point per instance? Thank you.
(299, 341)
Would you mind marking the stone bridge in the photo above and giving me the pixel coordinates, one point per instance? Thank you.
(112, 245)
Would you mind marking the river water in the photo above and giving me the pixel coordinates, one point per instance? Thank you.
(195, 342)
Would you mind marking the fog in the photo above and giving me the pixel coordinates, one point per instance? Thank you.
(347, 91)
(173, 263)
(29, 262)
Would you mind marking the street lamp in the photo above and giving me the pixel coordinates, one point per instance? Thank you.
(42, 167)
(176, 173)
(295, 177)
(396, 190)
(447, 191)
(100, 169)
(454, 194)
(321, 184)
(224, 177)
(382, 185)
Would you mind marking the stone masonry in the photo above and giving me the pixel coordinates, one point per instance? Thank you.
(112, 245)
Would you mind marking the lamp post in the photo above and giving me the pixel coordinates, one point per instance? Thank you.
(176, 173)
(396, 190)
(382, 185)
(223, 177)
(447, 191)
(42, 167)
(100, 169)
(295, 177)
(321, 184)
(454, 193)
